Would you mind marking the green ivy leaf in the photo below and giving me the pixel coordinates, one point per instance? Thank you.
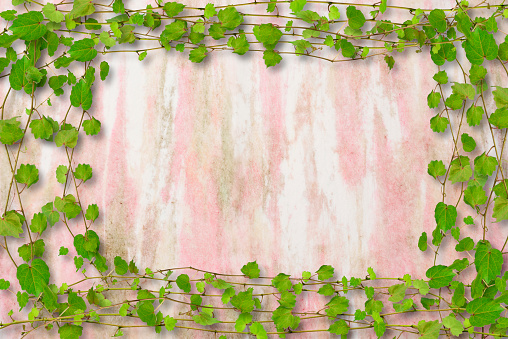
(339, 327)
(379, 328)
(460, 169)
(422, 286)
(484, 311)
(81, 95)
(44, 128)
(198, 54)
(454, 101)
(484, 164)
(258, 330)
(173, 8)
(83, 50)
(281, 282)
(445, 215)
(480, 45)
(82, 8)
(464, 90)
(4, 284)
(271, 58)
(268, 35)
(67, 137)
(468, 143)
(433, 99)
(28, 26)
(174, 30)
(52, 13)
(499, 118)
(475, 195)
(10, 131)
(39, 223)
(466, 244)
(437, 18)
(205, 318)
(441, 77)
(355, 17)
(337, 305)
(210, 11)
(92, 126)
(440, 276)
(243, 301)
(239, 44)
(242, 321)
(477, 74)
(397, 292)
(488, 261)
(429, 329)
(500, 209)
(230, 18)
(83, 172)
(447, 52)
(63, 250)
(121, 266)
(227, 295)
(183, 282)
(251, 270)
(69, 331)
(439, 124)
(422, 242)
(33, 278)
(28, 251)
(283, 318)
(92, 212)
(500, 97)
(326, 290)
(474, 115)
(27, 174)
(87, 245)
(325, 272)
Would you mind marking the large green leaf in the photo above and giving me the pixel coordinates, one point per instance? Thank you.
(440, 276)
(355, 17)
(479, 46)
(460, 169)
(484, 311)
(174, 30)
(500, 97)
(429, 329)
(81, 95)
(488, 261)
(445, 215)
(230, 18)
(267, 34)
(33, 278)
(499, 118)
(69, 331)
(484, 164)
(82, 8)
(28, 26)
(251, 270)
(500, 209)
(10, 131)
(337, 305)
(437, 18)
(11, 224)
(83, 50)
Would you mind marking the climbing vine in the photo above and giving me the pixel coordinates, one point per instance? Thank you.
(465, 294)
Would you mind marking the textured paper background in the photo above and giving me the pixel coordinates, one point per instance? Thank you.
(225, 162)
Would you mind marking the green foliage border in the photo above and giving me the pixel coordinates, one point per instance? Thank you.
(475, 308)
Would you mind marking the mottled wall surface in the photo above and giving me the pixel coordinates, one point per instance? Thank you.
(217, 164)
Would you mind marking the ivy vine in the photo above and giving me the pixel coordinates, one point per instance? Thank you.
(40, 39)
